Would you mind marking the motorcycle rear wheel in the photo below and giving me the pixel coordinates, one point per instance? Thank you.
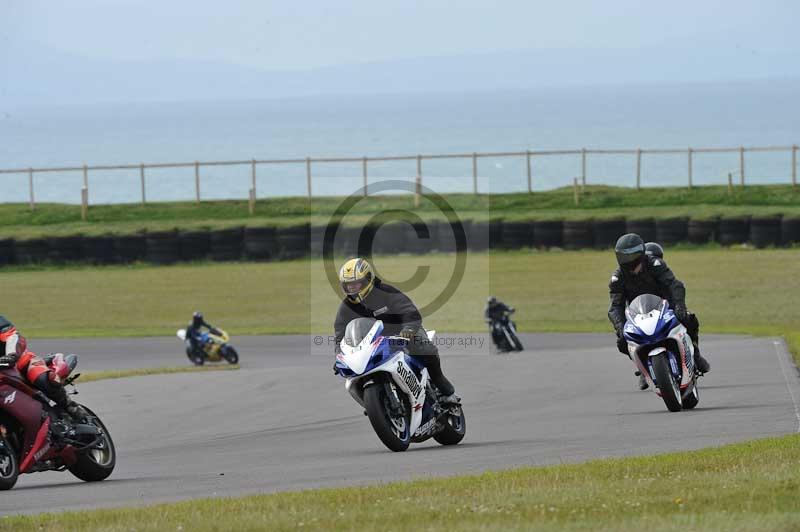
(393, 431)
(455, 428)
(96, 464)
(9, 467)
(669, 389)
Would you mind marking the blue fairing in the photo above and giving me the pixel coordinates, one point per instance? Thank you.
(666, 322)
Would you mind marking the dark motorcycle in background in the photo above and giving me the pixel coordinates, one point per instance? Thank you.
(37, 435)
(504, 333)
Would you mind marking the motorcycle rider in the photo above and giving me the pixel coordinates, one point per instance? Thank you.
(193, 332)
(640, 273)
(368, 296)
(33, 368)
(496, 311)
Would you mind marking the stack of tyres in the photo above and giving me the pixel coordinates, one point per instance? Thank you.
(733, 230)
(702, 231)
(765, 231)
(478, 236)
(98, 249)
(6, 251)
(163, 247)
(227, 244)
(644, 227)
(419, 238)
(790, 230)
(293, 242)
(260, 243)
(606, 232)
(194, 244)
(578, 234)
(457, 237)
(517, 235)
(33, 251)
(316, 239)
(65, 249)
(130, 248)
(671, 230)
(548, 233)
(389, 238)
(496, 234)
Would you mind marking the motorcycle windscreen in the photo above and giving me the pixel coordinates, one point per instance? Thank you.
(358, 329)
(644, 305)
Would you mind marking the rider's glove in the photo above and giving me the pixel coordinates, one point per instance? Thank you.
(622, 344)
(6, 361)
(681, 313)
(335, 369)
(408, 333)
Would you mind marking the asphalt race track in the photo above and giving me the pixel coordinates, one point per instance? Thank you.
(284, 422)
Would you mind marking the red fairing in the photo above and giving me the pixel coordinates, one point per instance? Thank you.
(16, 398)
(59, 368)
(40, 447)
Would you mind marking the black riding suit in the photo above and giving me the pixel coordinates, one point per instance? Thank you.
(193, 335)
(399, 315)
(654, 278)
(498, 311)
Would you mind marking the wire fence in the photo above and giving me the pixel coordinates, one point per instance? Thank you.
(528, 159)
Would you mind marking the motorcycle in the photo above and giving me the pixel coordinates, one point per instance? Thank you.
(394, 388)
(214, 347)
(662, 350)
(37, 435)
(504, 333)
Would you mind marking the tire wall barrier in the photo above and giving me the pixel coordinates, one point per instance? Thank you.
(286, 243)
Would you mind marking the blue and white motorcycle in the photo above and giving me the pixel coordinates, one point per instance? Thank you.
(662, 350)
(394, 388)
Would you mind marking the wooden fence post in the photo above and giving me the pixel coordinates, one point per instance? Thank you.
(30, 189)
(364, 174)
(251, 201)
(794, 166)
(141, 179)
(638, 168)
(741, 165)
(84, 203)
(253, 177)
(308, 177)
(197, 181)
(474, 173)
(530, 173)
(418, 182)
(730, 183)
(583, 167)
(576, 191)
(690, 167)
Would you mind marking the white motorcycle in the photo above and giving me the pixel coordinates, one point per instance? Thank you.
(661, 349)
(394, 388)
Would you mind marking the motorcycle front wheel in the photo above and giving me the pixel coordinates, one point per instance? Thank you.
(230, 354)
(670, 392)
(394, 430)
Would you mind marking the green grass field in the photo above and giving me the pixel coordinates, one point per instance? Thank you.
(750, 486)
(17, 220)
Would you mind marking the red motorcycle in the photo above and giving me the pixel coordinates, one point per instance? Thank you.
(37, 435)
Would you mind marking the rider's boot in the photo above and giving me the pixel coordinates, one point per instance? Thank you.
(700, 363)
(642, 381)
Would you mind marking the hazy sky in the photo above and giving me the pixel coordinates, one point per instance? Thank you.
(311, 33)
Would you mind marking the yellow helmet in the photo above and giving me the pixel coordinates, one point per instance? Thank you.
(356, 279)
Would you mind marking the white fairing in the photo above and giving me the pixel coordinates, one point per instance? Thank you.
(357, 358)
(181, 334)
(647, 322)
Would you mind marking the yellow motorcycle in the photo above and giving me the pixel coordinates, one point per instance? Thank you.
(213, 346)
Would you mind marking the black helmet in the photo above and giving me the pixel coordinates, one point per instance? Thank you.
(197, 315)
(629, 251)
(654, 249)
(491, 300)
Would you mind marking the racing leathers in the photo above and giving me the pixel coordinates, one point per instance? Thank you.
(193, 331)
(656, 278)
(400, 318)
(31, 366)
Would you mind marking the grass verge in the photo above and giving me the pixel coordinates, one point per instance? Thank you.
(142, 372)
(747, 486)
(17, 220)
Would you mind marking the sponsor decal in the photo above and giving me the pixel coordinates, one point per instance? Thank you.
(656, 262)
(382, 310)
(409, 378)
(614, 278)
(41, 452)
(427, 426)
(10, 397)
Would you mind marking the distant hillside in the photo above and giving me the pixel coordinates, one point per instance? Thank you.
(32, 74)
